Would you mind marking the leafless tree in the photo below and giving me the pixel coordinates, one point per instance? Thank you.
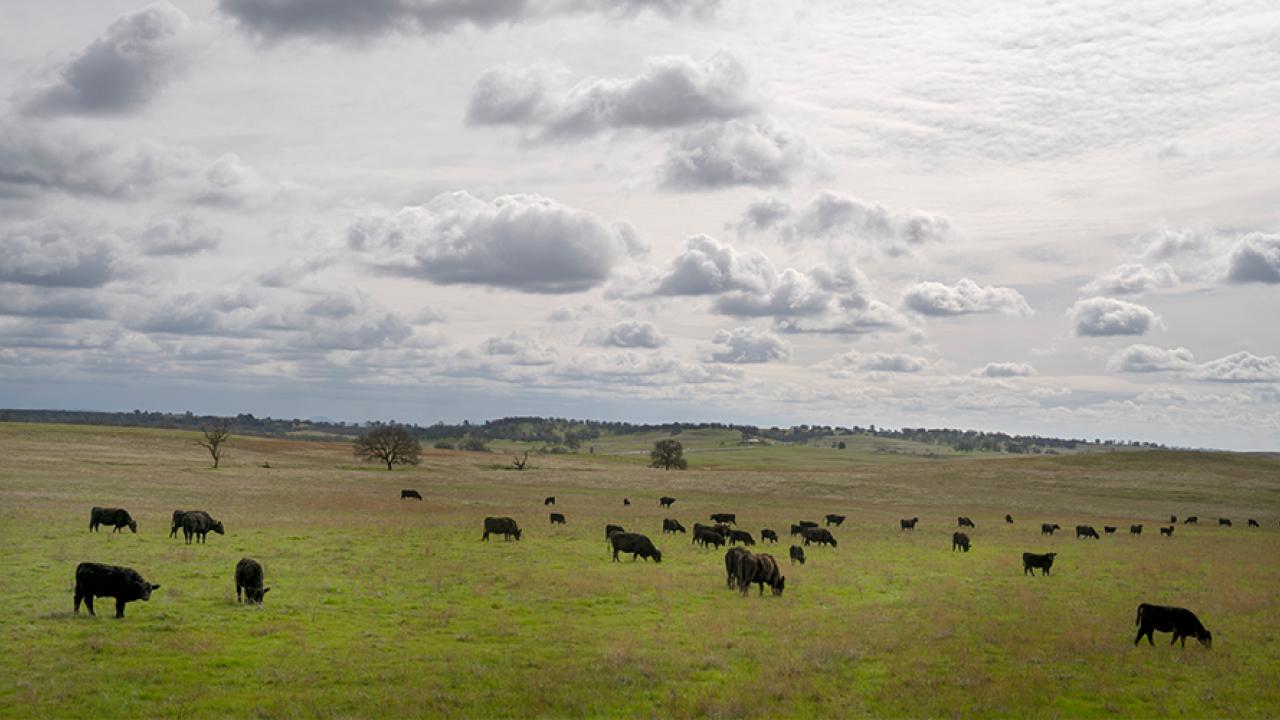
(519, 461)
(390, 445)
(214, 436)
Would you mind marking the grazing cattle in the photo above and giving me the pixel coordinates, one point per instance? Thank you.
(1086, 531)
(762, 570)
(741, 536)
(707, 536)
(723, 530)
(909, 524)
(1008, 519)
(1168, 531)
(959, 540)
(822, 536)
(767, 534)
(1109, 529)
(1253, 523)
(176, 525)
(835, 520)
(1135, 529)
(672, 526)
(729, 518)
(611, 529)
(198, 524)
(1180, 621)
(665, 501)
(731, 565)
(249, 578)
(797, 554)
(807, 523)
(797, 530)
(557, 518)
(636, 544)
(550, 500)
(504, 526)
(1049, 528)
(115, 517)
(1191, 520)
(625, 501)
(1173, 519)
(407, 494)
(965, 522)
(1225, 522)
(122, 583)
(1031, 561)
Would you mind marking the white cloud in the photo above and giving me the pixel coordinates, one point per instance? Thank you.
(519, 349)
(747, 345)
(1241, 367)
(1005, 370)
(52, 254)
(1132, 279)
(628, 334)
(755, 153)
(1255, 258)
(964, 298)
(520, 242)
(843, 221)
(1107, 316)
(1148, 358)
(853, 362)
(179, 236)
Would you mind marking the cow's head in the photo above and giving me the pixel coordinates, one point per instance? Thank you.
(145, 588)
(133, 525)
(1051, 556)
(217, 527)
(657, 556)
(778, 587)
(255, 596)
(834, 543)
(1206, 639)
(517, 533)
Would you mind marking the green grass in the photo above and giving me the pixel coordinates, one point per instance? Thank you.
(387, 607)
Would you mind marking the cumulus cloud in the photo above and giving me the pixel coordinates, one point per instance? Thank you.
(634, 369)
(36, 159)
(842, 220)
(179, 236)
(672, 91)
(121, 71)
(1005, 370)
(747, 152)
(519, 349)
(853, 362)
(747, 345)
(709, 267)
(1148, 359)
(628, 334)
(1132, 279)
(1255, 258)
(52, 254)
(520, 242)
(1096, 317)
(51, 302)
(1241, 367)
(964, 298)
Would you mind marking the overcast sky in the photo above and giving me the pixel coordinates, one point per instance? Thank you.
(1037, 217)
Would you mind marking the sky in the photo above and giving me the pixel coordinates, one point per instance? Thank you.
(1033, 217)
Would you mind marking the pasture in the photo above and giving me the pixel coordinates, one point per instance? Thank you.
(381, 606)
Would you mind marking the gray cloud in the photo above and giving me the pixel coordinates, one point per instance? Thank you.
(1100, 317)
(673, 91)
(747, 345)
(519, 349)
(964, 298)
(1241, 367)
(180, 236)
(1005, 370)
(520, 242)
(628, 334)
(842, 220)
(709, 267)
(122, 70)
(34, 159)
(1132, 279)
(757, 153)
(1148, 359)
(56, 255)
(852, 362)
(1255, 258)
(54, 303)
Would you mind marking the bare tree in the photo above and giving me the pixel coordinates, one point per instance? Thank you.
(519, 461)
(214, 436)
(390, 445)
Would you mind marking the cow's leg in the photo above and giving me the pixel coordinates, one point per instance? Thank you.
(119, 608)
(1138, 638)
(238, 592)
(88, 603)
(615, 554)
(79, 597)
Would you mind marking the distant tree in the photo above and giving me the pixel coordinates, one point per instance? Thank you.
(519, 462)
(841, 445)
(214, 436)
(668, 454)
(444, 445)
(388, 444)
(473, 444)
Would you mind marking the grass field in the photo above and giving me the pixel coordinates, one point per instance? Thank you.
(388, 607)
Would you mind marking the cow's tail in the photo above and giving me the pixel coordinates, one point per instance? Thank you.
(1138, 621)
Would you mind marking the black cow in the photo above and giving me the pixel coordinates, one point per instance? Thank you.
(176, 525)
(798, 529)
(797, 554)
(707, 536)
(1173, 519)
(406, 494)
(1167, 531)
(550, 500)
(1224, 522)
(1135, 529)
(959, 540)
(963, 521)
(122, 583)
(626, 501)
(762, 570)
(672, 526)
(1180, 621)
(665, 501)
(1008, 519)
(835, 520)
(822, 536)
(731, 565)
(249, 578)
(1109, 529)
(1031, 561)
(199, 524)
(636, 544)
(504, 526)
(611, 529)
(1049, 528)
(1192, 520)
(767, 534)
(730, 518)
(115, 517)
(557, 518)
(1086, 531)
(909, 524)
(807, 523)
(1253, 523)
(741, 536)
